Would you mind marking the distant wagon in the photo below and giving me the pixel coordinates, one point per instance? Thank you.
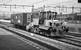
(21, 19)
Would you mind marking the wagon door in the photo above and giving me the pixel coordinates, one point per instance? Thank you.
(29, 18)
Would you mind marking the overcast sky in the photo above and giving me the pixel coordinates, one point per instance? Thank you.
(37, 3)
(42, 2)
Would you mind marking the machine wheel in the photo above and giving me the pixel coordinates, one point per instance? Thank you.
(36, 30)
(52, 32)
(67, 29)
(40, 32)
(43, 33)
(16, 26)
(61, 33)
(31, 29)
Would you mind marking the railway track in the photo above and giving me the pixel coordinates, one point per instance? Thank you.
(74, 34)
(72, 40)
(73, 37)
(33, 40)
(69, 39)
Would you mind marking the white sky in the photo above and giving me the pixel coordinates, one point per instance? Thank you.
(30, 2)
(68, 3)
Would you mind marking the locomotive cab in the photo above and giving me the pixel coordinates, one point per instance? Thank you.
(46, 22)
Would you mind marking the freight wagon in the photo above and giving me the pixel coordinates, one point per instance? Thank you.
(20, 20)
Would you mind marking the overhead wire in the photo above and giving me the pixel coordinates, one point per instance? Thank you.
(39, 2)
(15, 5)
(63, 2)
(58, 5)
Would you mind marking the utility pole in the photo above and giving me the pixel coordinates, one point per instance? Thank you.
(10, 8)
(66, 9)
(59, 9)
(44, 8)
(72, 10)
(80, 10)
(32, 11)
(32, 8)
(15, 6)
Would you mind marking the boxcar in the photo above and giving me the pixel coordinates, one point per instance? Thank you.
(21, 19)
